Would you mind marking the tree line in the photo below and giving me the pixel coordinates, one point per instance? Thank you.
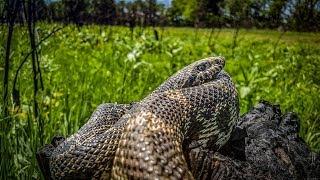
(299, 15)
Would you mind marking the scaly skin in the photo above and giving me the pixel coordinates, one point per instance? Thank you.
(199, 104)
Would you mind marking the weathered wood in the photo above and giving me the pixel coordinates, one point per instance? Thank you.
(265, 145)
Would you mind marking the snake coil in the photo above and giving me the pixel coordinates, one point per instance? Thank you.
(196, 108)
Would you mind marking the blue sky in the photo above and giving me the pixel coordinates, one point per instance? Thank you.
(166, 2)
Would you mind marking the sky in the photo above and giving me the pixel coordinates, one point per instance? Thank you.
(166, 2)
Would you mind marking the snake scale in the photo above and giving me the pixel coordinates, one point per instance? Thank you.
(197, 107)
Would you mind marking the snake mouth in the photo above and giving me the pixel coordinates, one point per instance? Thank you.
(204, 71)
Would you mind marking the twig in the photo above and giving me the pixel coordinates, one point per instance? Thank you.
(210, 36)
(26, 57)
(235, 37)
(276, 45)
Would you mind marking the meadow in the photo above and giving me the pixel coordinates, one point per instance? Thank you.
(84, 67)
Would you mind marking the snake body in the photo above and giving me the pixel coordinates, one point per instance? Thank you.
(195, 108)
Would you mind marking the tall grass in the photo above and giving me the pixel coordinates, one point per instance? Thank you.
(84, 68)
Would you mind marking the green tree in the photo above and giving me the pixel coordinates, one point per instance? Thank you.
(306, 15)
(237, 11)
(104, 11)
(196, 12)
(74, 10)
(276, 13)
(41, 10)
(247, 13)
(2, 11)
(56, 11)
(150, 12)
(121, 11)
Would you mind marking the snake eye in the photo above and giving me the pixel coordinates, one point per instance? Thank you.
(203, 66)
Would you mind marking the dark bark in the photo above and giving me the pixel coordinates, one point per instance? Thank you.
(264, 145)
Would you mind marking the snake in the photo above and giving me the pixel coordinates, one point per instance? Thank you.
(195, 108)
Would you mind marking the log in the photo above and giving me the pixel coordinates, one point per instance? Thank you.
(264, 145)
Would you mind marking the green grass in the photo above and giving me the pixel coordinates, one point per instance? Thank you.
(82, 69)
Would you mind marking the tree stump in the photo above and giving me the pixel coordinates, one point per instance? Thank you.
(264, 145)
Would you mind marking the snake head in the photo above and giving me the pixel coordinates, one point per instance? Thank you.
(199, 72)
(203, 71)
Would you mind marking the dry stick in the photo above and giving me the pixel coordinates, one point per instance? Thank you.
(196, 33)
(12, 11)
(215, 36)
(276, 45)
(34, 55)
(7, 154)
(235, 34)
(39, 70)
(210, 36)
(38, 60)
(26, 57)
(217, 33)
(6, 70)
(235, 37)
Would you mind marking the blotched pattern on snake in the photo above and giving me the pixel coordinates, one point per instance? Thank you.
(197, 107)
